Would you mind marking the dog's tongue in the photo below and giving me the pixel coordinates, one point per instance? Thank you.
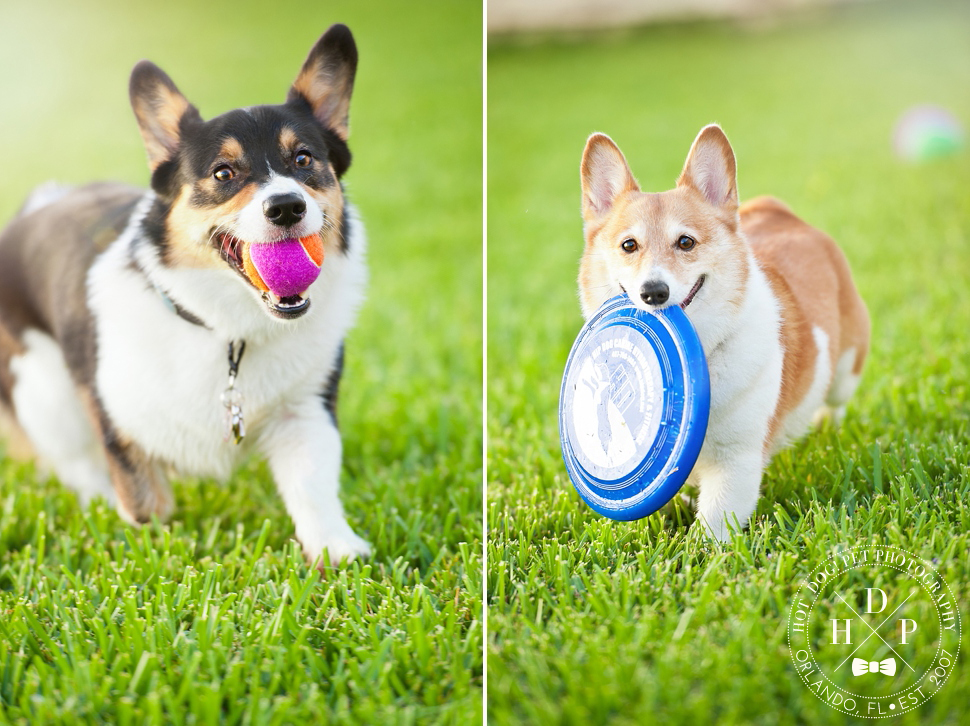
(284, 268)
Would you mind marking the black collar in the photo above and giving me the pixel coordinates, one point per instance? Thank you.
(180, 311)
(167, 299)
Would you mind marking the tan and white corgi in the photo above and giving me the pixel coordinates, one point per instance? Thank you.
(772, 299)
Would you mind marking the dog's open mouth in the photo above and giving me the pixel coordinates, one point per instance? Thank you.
(292, 306)
(287, 307)
(693, 291)
(231, 249)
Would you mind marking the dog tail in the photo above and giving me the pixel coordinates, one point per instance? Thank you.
(47, 193)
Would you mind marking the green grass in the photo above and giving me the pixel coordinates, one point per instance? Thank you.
(214, 617)
(594, 621)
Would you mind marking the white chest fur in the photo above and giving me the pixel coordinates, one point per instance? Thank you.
(160, 378)
(745, 358)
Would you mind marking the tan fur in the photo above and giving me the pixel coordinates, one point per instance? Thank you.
(800, 353)
(331, 201)
(288, 139)
(231, 150)
(811, 278)
(159, 124)
(189, 227)
(698, 175)
(17, 443)
(328, 94)
(646, 218)
(651, 210)
(10, 346)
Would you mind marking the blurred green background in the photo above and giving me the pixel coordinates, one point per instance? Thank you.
(415, 135)
(592, 620)
(397, 638)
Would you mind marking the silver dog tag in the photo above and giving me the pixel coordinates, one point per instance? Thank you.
(235, 424)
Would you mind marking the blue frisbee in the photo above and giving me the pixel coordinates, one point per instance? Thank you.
(633, 408)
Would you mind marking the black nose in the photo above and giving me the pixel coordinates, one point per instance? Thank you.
(284, 209)
(655, 292)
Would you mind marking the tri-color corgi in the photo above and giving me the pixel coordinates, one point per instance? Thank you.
(783, 328)
(138, 335)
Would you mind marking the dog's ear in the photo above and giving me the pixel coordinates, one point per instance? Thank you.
(162, 111)
(710, 168)
(605, 175)
(326, 80)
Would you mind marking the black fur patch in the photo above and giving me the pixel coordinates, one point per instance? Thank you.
(153, 225)
(165, 179)
(332, 388)
(117, 448)
(345, 232)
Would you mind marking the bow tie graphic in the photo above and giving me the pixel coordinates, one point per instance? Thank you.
(861, 667)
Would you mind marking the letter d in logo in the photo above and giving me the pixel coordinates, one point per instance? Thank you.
(869, 591)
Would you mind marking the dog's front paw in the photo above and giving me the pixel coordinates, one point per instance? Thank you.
(715, 527)
(343, 546)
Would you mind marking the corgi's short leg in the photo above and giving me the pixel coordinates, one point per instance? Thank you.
(728, 487)
(52, 415)
(141, 487)
(844, 383)
(828, 413)
(304, 451)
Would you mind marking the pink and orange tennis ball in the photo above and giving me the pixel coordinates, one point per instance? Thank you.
(284, 268)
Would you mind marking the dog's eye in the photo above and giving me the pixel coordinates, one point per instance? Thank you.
(629, 245)
(686, 243)
(224, 173)
(303, 158)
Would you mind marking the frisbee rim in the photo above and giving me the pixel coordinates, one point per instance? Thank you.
(689, 430)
